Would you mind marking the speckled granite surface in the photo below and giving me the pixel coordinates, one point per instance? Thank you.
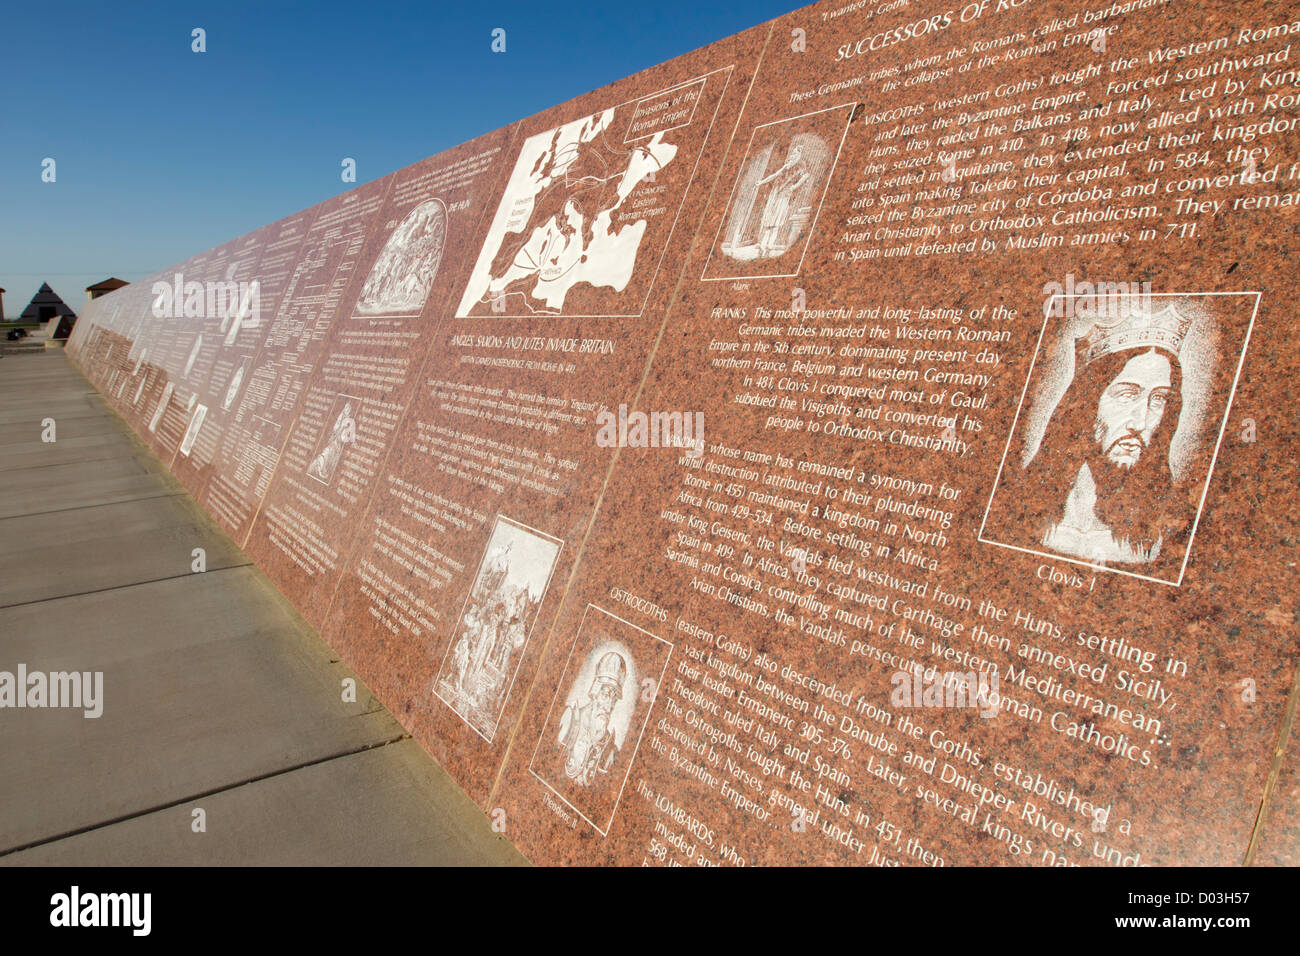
(498, 446)
(862, 243)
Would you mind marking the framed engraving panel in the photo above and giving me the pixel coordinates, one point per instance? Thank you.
(495, 623)
(599, 714)
(1114, 442)
(940, 461)
(404, 265)
(590, 206)
(226, 466)
(778, 193)
(548, 331)
(332, 442)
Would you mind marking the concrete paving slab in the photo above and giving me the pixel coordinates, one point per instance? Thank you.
(73, 473)
(214, 688)
(82, 496)
(38, 454)
(37, 366)
(78, 485)
(50, 380)
(65, 390)
(68, 426)
(53, 385)
(67, 387)
(90, 549)
(387, 806)
(19, 409)
(208, 681)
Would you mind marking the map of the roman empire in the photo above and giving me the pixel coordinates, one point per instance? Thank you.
(571, 215)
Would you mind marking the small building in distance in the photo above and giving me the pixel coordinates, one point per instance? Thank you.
(49, 310)
(105, 287)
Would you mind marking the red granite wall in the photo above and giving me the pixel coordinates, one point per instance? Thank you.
(864, 440)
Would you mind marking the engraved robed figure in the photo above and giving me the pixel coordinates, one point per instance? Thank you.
(586, 737)
(771, 210)
(1099, 485)
(323, 465)
(599, 713)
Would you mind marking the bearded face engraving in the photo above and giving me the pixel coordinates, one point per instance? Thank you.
(586, 738)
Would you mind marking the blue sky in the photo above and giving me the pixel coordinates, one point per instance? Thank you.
(161, 152)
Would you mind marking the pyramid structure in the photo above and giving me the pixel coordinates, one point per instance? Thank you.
(47, 308)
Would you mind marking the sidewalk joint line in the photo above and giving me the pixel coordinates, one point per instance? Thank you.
(125, 817)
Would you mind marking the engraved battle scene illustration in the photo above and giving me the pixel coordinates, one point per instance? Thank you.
(404, 272)
(485, 654)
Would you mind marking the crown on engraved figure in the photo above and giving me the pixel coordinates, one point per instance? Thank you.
(1130, 326)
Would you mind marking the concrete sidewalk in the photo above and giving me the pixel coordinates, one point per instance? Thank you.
(216, 694)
